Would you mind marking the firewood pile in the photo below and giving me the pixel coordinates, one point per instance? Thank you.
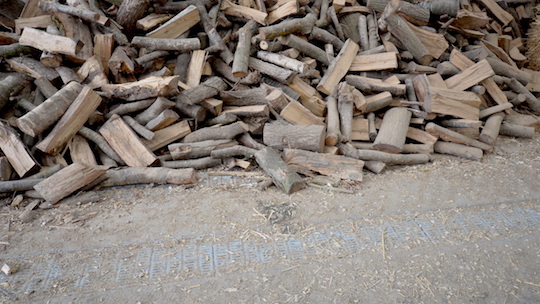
(111, 92)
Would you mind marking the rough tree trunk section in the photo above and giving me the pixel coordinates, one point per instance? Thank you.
(284, 177)
(311, 138)
(306, 163)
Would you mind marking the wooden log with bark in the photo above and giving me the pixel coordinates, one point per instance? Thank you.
(306, 162)
(305, 137)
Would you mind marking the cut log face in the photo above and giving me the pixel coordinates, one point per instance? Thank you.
(126, 143)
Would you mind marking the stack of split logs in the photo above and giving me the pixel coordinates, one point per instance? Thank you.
(107, 93)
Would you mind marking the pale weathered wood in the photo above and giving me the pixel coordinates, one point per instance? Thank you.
(503, 16)
(470, 76)
(449, 135)
(309, 96)
(305, 47)
(490, 132)
(195, 68)
(16, 152)
(301, 26)
(280, 74)
(74, 118)
(168, 135)
(242, 53)
(223, 132)
(229, 8)
(75, 29)
(211, 87)
(198, 149)
(393, 131)
(80, 151)
(153, 87)
(178, 24)
(126, 143)
(338, 68)
(281, 10)
(32, 68)
(369, 85)
(376, 102)
(458, 150)
(163, 120)
(453, 102)
(103, 48)
(374, 62)
(306, 162)
(297, 114)
(495, 109)
(510, 129)
(152, 20)
(163, 44)
(34, 22)
(306, 137)
(387, 158)
(67, 181)
(248, 111)
(134, 176)
(333, 132)
(43, 116)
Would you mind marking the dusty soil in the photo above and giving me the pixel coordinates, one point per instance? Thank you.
(452, 231)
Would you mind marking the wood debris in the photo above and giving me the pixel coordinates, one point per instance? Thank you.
(149, 91)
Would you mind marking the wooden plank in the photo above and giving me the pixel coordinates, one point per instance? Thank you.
(374, 62)
(339, 67)
(77, 114)
(470, 76)
(126, 143)
(67, 181)
(177, 25)
(16, 152)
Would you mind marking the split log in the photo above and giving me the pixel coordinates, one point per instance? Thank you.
(162, 44)
(338, 68)
(393, 131)
(67, 181)
(490, 132)
(75, 29)
(15, 49)
(191, 110)
(197, 164)
(309, 96)
(374, 166)
(376, 102)
(282, 75)
(409, 11)
(214, 106)
(283, 176)
(45, 87)
(248, 111)
(470, 76)
(74, 118)
(229, 8)
(126, 143)
(306, 137)
(375, 62)
(84, 14)
(52, 60)
(134, 176)
(320, 34)
(198, 149)
(451, 136)
(153, 87)
(504, 69)
(302, 26)
(333, 133)
(495, 109)
(51, 43)
(281, 10)
(401, 30)
(168, 135)
(16, 152)
(43, 116)
(452, 102)
(195, 68)
(80, 151)
(458, 150)
(130, 11)
(297, 114)
(177, 25)
(223, 132)
(211, 87)
(306, 162)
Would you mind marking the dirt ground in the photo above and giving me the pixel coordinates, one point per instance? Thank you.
(451, 231)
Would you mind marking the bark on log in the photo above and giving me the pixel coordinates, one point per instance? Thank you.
(306, 137)
(302, 26)
(401, 30)
(162, 44)
(241, 56)
(19, 185)
(130, 11)
(197, 164)
(159, 105)
(223, 132)
(333, 133)
(510, 129)
(345, 109)
(490, 132)
(393, 131)
(387, 158)
(198, 149)
(134, 176)
(283, 176)
(47, 113)
(531, 100)
(306, 162)
(233, 151)
(282, 75)
(323, 35)
(8, 86)
(211, 87)
(306, 48)
(248, 97)
(458, 150)
(101, 143)
(449, 135)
